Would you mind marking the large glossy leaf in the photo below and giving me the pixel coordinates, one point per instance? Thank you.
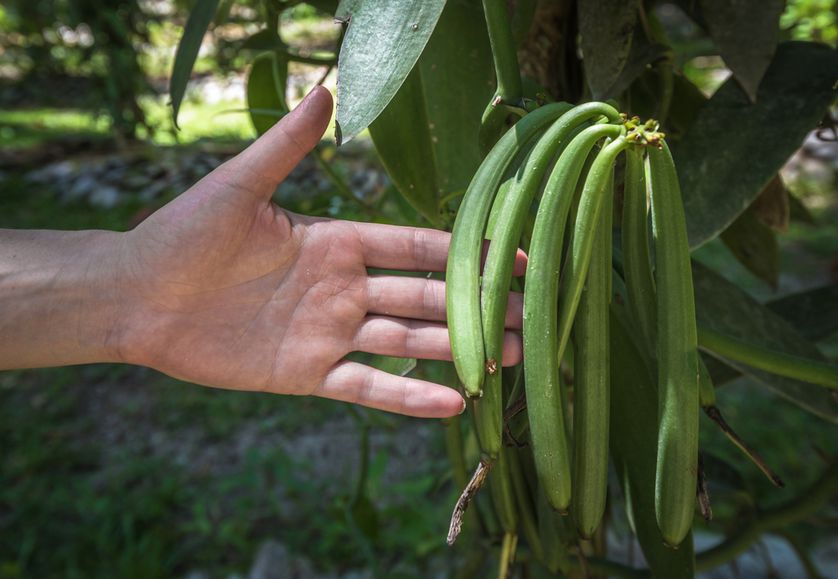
(641, 55)
(814, 313)
(634, 439)
(382, 43)
(426, 136)
(263, 40)
(403, 142)
(266, 90)
(745, 32)
(734, 148)
(723, 307)
(187, 50)
(687, 102)
(755, 246)
(458, 79)
(606, 28)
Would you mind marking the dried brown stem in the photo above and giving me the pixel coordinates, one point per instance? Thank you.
(477, 480)
(716, 416)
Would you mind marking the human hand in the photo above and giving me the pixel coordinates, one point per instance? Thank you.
(229, 290)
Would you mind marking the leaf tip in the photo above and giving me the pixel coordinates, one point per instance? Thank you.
(338, 134)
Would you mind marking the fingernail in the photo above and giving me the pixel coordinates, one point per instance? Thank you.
(464, 406)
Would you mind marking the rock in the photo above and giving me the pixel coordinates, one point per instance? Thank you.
(274, 561)
(83, 185)
(105, 196)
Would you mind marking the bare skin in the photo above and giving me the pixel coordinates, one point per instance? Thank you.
(223, 288)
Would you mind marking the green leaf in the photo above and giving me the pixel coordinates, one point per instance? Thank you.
(723, 307)
(755, 246)
(634, 440)
(266, 91)
(403, 143)
(426, 136)
(187, 50)
(606, 27)
(382, 43)
(734, 148)
(345, 10)
(641, 56)
(814, 313)
(687, 101)
(745, 32)
(365, 517)
(456, 91)
(262, 40)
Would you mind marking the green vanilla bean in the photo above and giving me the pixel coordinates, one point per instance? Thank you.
(506, 222)
(591, 384)
(464, 253)
(637, 266)
(591, 202)
(677, 354)
(780, 363)
(545, 405)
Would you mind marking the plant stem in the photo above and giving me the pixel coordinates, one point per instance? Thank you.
(772, 361)
(507, 554)
(667, 83)
(714, 414)
(503, 51)
(806, 504)
(312, 60)
(340, 185)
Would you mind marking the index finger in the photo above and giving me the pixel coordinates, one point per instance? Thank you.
(412, 248)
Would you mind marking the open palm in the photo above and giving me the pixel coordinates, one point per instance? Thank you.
(230, 290)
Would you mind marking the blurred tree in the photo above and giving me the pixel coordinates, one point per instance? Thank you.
(61, 46)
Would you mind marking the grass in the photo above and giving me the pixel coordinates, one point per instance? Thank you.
(220, 121)
(31, 127)
(86, 499)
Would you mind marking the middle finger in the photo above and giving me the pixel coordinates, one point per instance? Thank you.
(423, 299)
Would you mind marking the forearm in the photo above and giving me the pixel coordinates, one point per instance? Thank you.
(59, 300)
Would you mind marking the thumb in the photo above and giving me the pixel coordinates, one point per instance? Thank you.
(267, 162)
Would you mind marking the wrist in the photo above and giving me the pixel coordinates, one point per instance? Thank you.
(60, 299)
